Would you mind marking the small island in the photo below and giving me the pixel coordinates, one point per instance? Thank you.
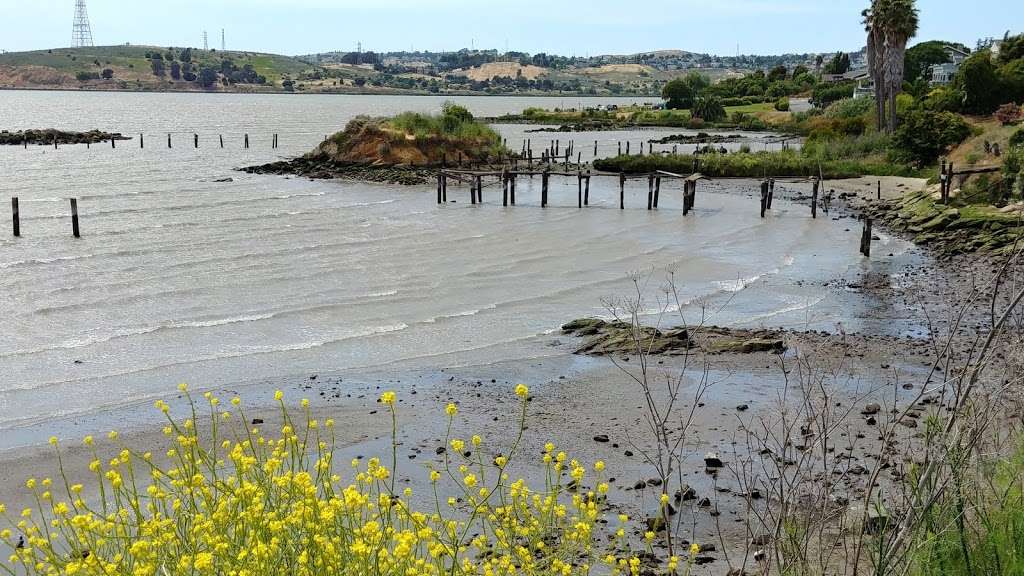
(404, 149)
(52, 136)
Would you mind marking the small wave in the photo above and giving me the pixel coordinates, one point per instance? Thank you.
(739, 284)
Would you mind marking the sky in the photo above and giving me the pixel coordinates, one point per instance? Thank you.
(567, 27)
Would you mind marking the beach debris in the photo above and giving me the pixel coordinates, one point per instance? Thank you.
(871, 409)
(602, 438)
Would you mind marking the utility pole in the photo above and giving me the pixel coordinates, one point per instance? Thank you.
(206, 43)
(223, 43)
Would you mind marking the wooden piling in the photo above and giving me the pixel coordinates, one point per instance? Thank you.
(504, 188)
(814, 197)
(16, 217)
(595, 148)
(879, 189)
(246, 141)
(650, 192)
(650, 148)
(512, 188)
(479, 190)
(113, 142)
(439, 176)
(622, 191)
(195, 141)
(221, 136)
(764, 197)
(620, 148)
(168, 139)
(865, 239)
(142, 141)
(586, 190)
(657, 190)
(544, 189)
(444, 187)
(771, 192)
(579, 190)
(74, 218)
(54, 141)
(627, 147)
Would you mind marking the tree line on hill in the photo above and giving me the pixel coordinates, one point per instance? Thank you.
(207, 73)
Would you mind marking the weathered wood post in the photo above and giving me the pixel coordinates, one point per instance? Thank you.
(142, 141)
(620, 148)
(650, 192)
(764, 197)
(942, 182)
(657, 190)
(879, 189)
(686, 197)
(74, 217)
(246, 141)
(627, 147)
(24, 142)
(16, 217)
(504, 188)
(650, 147)
(113, 142)
(221, 137)
(479, 189)
(195, 140)
(771, 192)
(865, 239)
(949, 182)
(168, 139)
(439, 176)
(512, 188)
(472, 191)
(54, 141)
(87, 145)
(579, 190)
(444, 187)
(544, 189)
(622, 191)
(586, 190)
(595, 148)
(579, 158)
(814, 197)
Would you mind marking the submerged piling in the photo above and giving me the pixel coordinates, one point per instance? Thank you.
(74, 218)
(16, 217)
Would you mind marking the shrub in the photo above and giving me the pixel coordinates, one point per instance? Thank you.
(1017, 138)
(782, 104)
(234, 499)
(850, 108)
(825, 94)
(925, 135)
(86, 76)
(708, 108)
(1008, 113)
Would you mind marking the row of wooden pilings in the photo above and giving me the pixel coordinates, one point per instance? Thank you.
(16, 217)
(274, 141)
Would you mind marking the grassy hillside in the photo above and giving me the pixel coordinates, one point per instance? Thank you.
(132, 70)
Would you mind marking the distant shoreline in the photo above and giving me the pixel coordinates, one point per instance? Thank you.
(384, 92)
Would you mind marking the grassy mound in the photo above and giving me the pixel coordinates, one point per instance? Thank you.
(413, 139)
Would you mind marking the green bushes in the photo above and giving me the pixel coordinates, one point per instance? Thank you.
(782, 104)
(756, 165)
(709, 109)
(1017, 138)
(454, 121)
(825, 94)
(925, 135)
(851, 108)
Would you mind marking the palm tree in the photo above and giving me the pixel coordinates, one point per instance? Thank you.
(876, 55)
(890, 25)
(899, 21)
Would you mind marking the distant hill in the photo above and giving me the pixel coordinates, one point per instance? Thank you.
(154, 68)
(137, 68)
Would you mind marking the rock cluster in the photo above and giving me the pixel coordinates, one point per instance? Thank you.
(619, 337)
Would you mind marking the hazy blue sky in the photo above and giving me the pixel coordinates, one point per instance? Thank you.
(563, 27)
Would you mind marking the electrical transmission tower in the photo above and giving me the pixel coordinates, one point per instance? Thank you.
(206, 42)
(223, 44)
(81, 34)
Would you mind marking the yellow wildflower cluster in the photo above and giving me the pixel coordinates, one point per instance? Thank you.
(237, 501)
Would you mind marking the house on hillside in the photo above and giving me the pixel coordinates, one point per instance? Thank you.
(942, 74)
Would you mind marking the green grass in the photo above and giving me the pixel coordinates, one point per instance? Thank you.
(755, 165)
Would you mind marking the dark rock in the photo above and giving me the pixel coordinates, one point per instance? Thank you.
(602, 438)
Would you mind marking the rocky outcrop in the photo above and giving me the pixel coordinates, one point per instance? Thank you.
(618, 337)
(47, 137)
(951, 230)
